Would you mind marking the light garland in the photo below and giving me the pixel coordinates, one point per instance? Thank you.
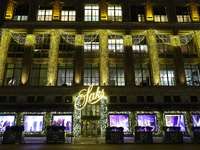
(103, 117)
(197, 37)
(158, 118)
(53, 58)
(89, 38)
(178, 112)
(137, 38)
(18, 37)
(3, 52)
(123, 113)
(34, 113)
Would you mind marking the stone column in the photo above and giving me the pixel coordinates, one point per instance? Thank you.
(153, 56)
(149, 11)
(56, 10)
(129, 60)
(103, 10)
(53, 58)
(104, 64)
(194, 11)
(78, 59)
(4, 45)
(27, 58)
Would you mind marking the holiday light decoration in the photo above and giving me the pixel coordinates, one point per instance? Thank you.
(77, 118)
(103, 116)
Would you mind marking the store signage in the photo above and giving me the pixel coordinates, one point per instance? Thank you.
(87, 97)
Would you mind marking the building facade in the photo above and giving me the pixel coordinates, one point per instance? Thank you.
(90, 64)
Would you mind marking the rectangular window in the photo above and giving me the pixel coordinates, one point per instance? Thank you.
(192, 74)
(115, 43)
(91, 12)
(142, 74)
(15, 49)
(167, 74)
(21, 13)
(12, 99)
(13, 75)
(39, 75)
(68, 13)
(177, 98)
(91, 43)
(114, 12)
(140, 99)
(150, 99)
(45, 13)
(58, 99)
(40, 99)
(3, 99)
(183, 14)
(116, 74)
(189, 50)
(160, 14)
(194, 98)
(30, 99)
(91, 75)
(137, 14)
(140, 50)
(65, 75)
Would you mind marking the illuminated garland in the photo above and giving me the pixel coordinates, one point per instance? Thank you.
(53, 58)
(197, 37)
(18, 37)
(103, 117)
(158, 118)
(178, 112)
(77, 119)
(137, 38)
(122, 113)
(34, 113)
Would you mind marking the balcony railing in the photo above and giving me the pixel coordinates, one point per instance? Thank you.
(15, 54)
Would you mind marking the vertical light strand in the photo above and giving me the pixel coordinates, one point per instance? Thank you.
(194, 11)
(30, 40)
(104, 117)
(197, 42)
(104, 68)
(10, 10)
(56, 10)
(53, 58)
(149, 11)
(128, 40)
(153, 55)
(5, 39)
(103, 10)
(175, 40)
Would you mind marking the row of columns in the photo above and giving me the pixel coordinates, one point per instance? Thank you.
(103, 61)
(103, 10)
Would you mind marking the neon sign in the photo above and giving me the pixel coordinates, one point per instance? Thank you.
(89, 97)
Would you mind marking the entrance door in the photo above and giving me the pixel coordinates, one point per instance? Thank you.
(90, 128)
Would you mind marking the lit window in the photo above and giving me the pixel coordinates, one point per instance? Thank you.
(115, 43)
(114, 13)
(65, 75)
(137, 14)
(13, 74)
(192, 74)
(140, 50)
(91, 13)
(21, 13)
(39, 75)
(189, 50)
(45, 13)
(160, 14)
(167, 74)
(142, 74)
(91, 75)
(183, 14)
(91, 43)
(68, 13)
(116, 75)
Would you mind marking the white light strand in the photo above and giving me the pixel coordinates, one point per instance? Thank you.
(68, 37)
(41, 36)
(89, 38)
(104, 117)
(137, 38)
(18, 37)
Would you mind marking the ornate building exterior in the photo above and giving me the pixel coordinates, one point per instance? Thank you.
(86, 61)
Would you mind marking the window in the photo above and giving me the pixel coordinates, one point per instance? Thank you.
(167, 74)
(194, 98)
(21, 13)
(142, 74)
(44, 13)
(115, 43)
(15, 49)
(30, 99)
(65, 75)
(68, 13)
(13, 75)
(160, 14)
(177, 98)
(12, 99)
(137, 14)
(58, 99)
(114, 13)
(140, 99)
(42, 46)
(189, 50)
(91, 46)
(2, 99)
(39, 75)
(65, 45)
(40, 99)
(91, 75)
(192, 74)
(116, 74)
(183, 14)
(140, 50)
(150, 99)
(122, 99)
(91, 12)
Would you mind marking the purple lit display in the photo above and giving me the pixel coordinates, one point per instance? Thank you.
(63, 120)
(175, 121)
(147, 121)
(33, 123)
(119, 121)
(6, 120)
(196, 120)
